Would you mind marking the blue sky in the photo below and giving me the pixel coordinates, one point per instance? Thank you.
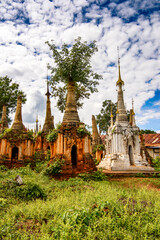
(134, 26)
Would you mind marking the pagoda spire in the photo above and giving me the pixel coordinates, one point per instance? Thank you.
(122, 115)
(111, 116)
(49, 121)
(71, 113)
(18, 124)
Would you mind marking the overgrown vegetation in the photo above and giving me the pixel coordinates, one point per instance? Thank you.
(156, 163)
(52, 135)
(82, 132)
(99, 147)
(54, 168)
(13, 136)
(86, 207)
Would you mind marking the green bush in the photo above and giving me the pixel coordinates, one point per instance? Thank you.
(3, 202)
(55, 168)
(94, 176)
(82, 132)
(156, 163)
(30, 191)
(100, 147)
(3, 168)
(52, 136)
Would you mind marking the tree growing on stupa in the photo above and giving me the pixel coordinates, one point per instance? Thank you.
(73, 70)
(9, 92)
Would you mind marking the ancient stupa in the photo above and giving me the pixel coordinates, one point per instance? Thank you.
(122, 141)
(74, 142)
(17, 123)
(49, 120)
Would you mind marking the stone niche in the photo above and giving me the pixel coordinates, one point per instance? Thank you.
(73, 144)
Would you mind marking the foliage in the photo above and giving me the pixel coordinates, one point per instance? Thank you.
(30, 134)
(146, 131)
(3, 168)
(3, 202)
(28, 191)
(6, 132)
(52, 135)
(39, 133)
(73, 65)
(78, 209)
(99, 147)
(55, 168)
(9, 92)
(58, 125)
(156, 163)
(82, 132)
(94, 176)
(103, 118)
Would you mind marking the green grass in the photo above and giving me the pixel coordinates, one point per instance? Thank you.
(80, 208)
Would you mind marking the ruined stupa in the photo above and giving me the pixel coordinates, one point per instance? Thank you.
(17, 123)
(73, 143)
(4, 123)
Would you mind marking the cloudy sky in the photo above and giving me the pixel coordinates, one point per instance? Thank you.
(133, 25)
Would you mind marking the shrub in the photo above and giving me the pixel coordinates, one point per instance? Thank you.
(3, 202)
(30, 134)
(139, 175)
(55, 168)
(99, 147)
(156, 163)
(3, 168)
(39, 133)
(94, 176)
(30, 191)
(52, 136)
(82, 132)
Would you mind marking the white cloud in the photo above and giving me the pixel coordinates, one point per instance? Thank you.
(63, 21)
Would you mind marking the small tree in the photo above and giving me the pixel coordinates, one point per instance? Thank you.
(103, 118)
(73, 67)
(9, 92)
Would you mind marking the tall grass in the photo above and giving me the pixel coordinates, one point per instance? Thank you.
(79, 208)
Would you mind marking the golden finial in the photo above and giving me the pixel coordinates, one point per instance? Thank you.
(111, 112)
(120, 81)
(117, 112)
(37, 117)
